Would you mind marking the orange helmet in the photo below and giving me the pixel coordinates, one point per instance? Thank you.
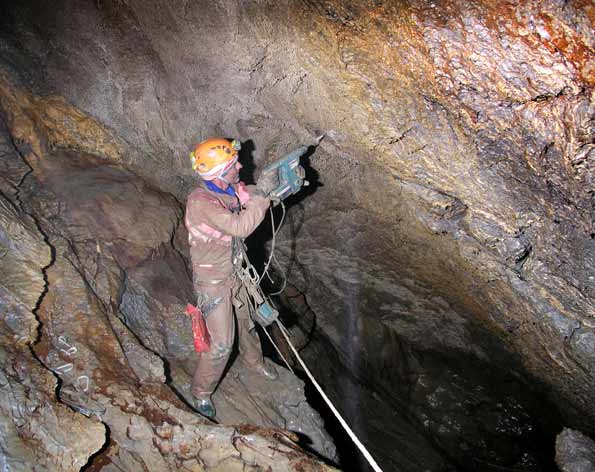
(214, 156)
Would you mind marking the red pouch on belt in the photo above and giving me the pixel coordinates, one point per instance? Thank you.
(202, 339)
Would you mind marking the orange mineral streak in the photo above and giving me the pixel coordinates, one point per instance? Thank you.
(13, 104)
(588, 7)
(571, 46)
(50, 121)
(562, 38)
(376, 54)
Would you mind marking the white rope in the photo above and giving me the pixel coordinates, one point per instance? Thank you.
(284, 284)
(274, 231)
(349, 431)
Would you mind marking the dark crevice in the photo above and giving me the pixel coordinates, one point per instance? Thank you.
(35, 311)
(44, 270)
(99, 459)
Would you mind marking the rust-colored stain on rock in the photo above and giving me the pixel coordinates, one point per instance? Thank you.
(60, 124)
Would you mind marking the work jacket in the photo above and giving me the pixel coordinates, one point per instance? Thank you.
(212, 221)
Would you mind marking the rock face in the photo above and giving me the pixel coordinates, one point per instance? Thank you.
(36, 427)
(92, 295)
(448, 231)
(574, 451)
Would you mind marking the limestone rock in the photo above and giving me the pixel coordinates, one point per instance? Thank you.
(575, 452)
(36, 429)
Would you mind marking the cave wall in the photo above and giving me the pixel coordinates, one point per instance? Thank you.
(97, 351)
(452, 200)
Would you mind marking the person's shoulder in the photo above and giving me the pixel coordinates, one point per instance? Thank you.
(201, 193)
(198, 191)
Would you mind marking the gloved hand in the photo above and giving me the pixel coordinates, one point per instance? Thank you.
(267, 182)
(242, 193)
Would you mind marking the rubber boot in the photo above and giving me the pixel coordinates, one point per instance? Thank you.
(265, 369)
(205, 407)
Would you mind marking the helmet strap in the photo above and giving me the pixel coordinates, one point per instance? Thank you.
(224, 180)
(222, 176)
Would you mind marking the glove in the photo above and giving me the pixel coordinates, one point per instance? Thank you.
(267, 182)
(242, 193)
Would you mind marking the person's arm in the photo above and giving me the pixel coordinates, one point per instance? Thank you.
(240, 224)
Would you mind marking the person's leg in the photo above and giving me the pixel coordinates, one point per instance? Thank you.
(216, 303)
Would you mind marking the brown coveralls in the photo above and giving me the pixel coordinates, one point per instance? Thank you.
(213, 220)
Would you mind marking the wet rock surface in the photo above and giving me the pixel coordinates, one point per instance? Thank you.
(448, 230)
(470, 414)
(575, 452)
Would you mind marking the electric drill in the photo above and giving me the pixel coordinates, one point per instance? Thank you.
(289, 172)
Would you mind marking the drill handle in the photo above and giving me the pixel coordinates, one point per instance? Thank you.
(289, 159)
